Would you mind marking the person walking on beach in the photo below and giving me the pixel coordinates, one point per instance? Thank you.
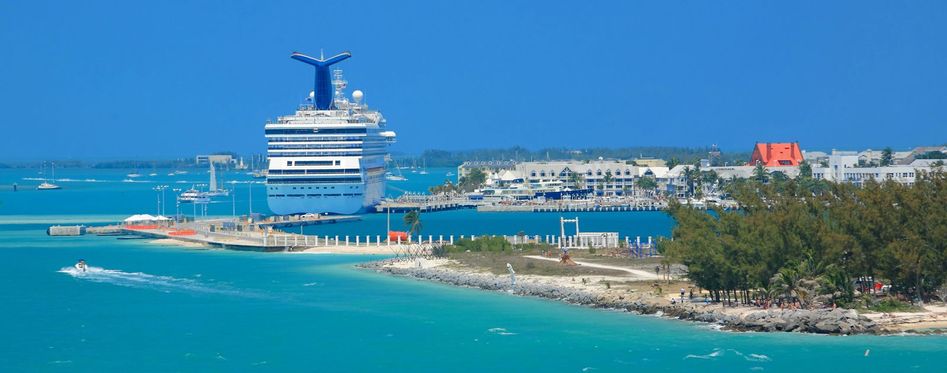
(682, 295)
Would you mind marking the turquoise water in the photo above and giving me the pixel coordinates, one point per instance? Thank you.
(102, 196)
(165, 308)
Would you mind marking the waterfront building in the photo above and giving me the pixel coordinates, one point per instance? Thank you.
(492, 169)
(775, 154)
(605, 177)
(650, 162)
(923, 152)
(676, 181)
(219, 159)
(845, 167)
(329, 156)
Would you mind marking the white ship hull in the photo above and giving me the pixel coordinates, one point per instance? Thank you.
(288, 199)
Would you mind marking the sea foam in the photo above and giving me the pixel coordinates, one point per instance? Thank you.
(142, 280)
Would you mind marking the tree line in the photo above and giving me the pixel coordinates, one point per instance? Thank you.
(674, 155)
(812, 242)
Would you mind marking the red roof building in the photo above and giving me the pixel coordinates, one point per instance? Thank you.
(775, 154)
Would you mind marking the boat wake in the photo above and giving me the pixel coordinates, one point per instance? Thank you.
(720, 353)
(166, 284)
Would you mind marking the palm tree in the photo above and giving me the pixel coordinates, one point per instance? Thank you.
(576, 179)
(413, 221)
(691, 175)
(647, 183)
(759, 173)
(607, 179)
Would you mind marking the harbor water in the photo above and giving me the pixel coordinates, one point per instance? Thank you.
(148, 307)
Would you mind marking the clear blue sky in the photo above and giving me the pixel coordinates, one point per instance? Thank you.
(161, 79)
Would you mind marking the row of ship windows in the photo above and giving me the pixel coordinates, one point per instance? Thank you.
(315, 146)
(305, 131)
(326, 146)
(310, 188)
(313, 163)
(323, 180)
(318, 139)
(317, 195)
(316, 172)
(326, 154)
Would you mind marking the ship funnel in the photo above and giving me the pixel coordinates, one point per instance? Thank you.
(323, 84)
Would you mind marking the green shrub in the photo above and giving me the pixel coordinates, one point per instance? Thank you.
(892, 305)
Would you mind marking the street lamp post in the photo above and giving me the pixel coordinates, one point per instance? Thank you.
(160, 195)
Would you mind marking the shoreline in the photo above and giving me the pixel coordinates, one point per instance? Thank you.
(591, 293)
(319, 250)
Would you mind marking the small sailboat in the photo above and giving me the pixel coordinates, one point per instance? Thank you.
(214, 191)
(396, 176)
(46, 185)
(423, 167)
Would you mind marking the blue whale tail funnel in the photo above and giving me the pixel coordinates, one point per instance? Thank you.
(323, 89)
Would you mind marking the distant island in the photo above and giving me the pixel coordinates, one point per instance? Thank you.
(673, 155)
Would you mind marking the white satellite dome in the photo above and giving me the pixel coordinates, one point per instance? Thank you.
(357, 95)
(312, 94)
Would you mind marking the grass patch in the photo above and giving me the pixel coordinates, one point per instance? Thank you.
(495, 262)
(893, 305)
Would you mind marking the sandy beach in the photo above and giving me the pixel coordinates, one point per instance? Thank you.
(351, 250)
(173, 242)
(643, 293)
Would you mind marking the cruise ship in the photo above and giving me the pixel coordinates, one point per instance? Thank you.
(329, 156)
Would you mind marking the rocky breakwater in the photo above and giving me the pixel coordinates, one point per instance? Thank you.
(822, 321)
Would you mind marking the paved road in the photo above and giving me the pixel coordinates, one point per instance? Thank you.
(644, 275)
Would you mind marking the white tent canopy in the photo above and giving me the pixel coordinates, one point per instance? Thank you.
(144, 217)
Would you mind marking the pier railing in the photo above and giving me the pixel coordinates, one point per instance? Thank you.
(635, 247)
(277, 240)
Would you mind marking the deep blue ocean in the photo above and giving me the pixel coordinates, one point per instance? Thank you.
(146, 307)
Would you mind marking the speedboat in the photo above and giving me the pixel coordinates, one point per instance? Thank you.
(193, 196)
(391, 177)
